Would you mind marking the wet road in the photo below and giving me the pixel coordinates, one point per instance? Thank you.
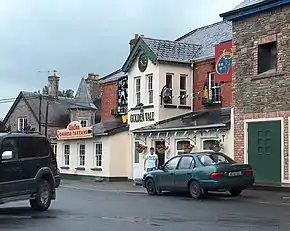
(81, 209)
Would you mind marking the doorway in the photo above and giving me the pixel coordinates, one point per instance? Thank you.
(161, 156)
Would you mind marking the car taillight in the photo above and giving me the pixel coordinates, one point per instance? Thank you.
(216, 175)
(249, 172)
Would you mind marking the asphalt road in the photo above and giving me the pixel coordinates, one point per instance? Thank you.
(80, 209)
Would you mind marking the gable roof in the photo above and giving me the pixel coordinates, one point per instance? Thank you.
(58, 108)
(162, 50)
(249, 7)
(83, 99)
(207, 37)
(114, 76)
(109, 127)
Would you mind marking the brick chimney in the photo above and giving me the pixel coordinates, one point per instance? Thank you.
(53, 84)
(134, 40)
(94, 86)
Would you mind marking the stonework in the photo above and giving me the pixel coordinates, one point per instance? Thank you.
(266, 95)
(78, 114)
(201, 71)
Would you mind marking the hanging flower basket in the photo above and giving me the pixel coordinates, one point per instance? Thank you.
(187, 148)
(141, 148)
(161, 148)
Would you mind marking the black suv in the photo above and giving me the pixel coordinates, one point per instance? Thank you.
(28, 169)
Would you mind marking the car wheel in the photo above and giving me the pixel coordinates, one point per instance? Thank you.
(150, 187)
(236, 192)
(195, 190)
(43, 196)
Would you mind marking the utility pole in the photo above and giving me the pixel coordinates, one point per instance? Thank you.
(46, 118)
(39, 111)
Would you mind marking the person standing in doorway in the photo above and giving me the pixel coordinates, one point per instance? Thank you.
(151, 161)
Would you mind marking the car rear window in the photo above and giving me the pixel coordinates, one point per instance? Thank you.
(215, 158)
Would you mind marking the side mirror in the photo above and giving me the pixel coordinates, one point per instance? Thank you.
(7, 155)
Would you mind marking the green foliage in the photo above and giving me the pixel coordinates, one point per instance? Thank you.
(67, 93)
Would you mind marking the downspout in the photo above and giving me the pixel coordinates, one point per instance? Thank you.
(193, 85)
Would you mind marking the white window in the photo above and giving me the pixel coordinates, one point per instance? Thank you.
(98, 155)
(82, 154)
(54, 148)
(182, 87)
(214, 89)
(138, 90)
(180, 146)
(168, 84)
(66, 154)
(150, 88)
(84, 122)
(22, 123)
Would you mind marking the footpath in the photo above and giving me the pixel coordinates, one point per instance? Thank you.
(250, 195)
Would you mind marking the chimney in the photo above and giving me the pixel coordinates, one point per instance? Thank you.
(94, 86)
(53, 84)
(134, 40)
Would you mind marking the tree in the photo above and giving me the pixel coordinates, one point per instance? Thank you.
(67, 93)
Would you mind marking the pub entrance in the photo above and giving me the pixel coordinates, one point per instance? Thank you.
(161, 156)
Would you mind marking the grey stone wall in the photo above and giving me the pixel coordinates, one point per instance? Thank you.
(270, 92)
(76, 115)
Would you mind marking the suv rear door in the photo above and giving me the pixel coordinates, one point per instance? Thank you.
(34, 152)
(10, 170)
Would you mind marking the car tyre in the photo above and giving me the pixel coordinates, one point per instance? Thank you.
(195, 190)
(236, 192)
(43, 196)
(150, 187)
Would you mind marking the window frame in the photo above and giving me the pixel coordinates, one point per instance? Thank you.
(214, 92)
(86, 120)
(96, 155)
(137, 91)
(169, 87)
(150, 88)
(206, 140)
(136, 154)
(179, 151)
(18, 123)
(65, 154)
(261, 56)
(81, 162)
(182, 91)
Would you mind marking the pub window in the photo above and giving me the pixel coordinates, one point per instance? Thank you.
(150, 88)
(66, 154)
(180, 146)
(82, 154)
(207, 144)
(182, 86)
(168, 84)
(267, 57)
(138, 90)
(99, 155)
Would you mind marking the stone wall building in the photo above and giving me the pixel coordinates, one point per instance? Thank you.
(261, 72)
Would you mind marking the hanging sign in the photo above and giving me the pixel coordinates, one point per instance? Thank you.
(142, 117)
(74, 130)
(223, 62)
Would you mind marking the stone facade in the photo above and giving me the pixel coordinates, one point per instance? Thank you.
(78, 114)
(201, 71)
(265, 95)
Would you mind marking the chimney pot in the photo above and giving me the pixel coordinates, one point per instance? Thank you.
(136, 36)
(142, 35)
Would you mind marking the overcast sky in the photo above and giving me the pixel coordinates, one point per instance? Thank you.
(76, 37)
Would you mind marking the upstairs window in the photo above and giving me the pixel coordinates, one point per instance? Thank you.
(150, 88)
(182, 86)
(168, 83)
(84, 122)
(267, 57)
(22, 124)
(138, 90)
(214, 89)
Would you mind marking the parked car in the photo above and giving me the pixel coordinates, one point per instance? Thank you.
(28, 169)
(199, 173)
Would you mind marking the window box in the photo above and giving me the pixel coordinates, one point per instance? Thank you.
(210, 102)
(64, 167)
(97, 169)
(80, 168)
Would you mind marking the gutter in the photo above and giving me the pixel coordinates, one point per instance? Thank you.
(180, 129)
(100, 134)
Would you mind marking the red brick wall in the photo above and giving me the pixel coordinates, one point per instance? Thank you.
(109, 100)
(200, 73)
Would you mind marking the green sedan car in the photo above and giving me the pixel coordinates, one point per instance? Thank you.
(199, 173)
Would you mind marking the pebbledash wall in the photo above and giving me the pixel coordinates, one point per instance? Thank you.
(261, 97)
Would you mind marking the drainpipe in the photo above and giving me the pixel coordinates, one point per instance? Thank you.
(193, 89)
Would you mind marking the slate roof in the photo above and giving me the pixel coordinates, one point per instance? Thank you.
(246, 3)
(173, 51)
(110, 126)
(114, 76)
(193, 119)
(207, 37)
(83, 97)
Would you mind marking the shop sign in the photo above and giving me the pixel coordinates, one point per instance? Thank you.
(142, 117)
(74, 130)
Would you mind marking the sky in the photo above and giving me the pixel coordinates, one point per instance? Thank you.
(77, 37)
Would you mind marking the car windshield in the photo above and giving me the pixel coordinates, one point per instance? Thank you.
(215, 158)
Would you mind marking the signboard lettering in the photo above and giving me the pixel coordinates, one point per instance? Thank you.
(142, 117)
(74, 130)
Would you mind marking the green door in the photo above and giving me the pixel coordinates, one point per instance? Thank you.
(264, 150)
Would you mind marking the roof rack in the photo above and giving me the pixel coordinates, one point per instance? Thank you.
(24, 132)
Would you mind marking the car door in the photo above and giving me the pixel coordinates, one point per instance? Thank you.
(11, 171)
(183, 172)
(166, 177)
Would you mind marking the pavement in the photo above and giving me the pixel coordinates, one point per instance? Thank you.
(85, 206)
